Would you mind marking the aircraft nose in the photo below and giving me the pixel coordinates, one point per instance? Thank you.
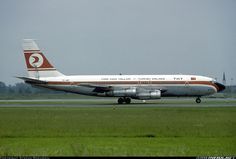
(220, 86)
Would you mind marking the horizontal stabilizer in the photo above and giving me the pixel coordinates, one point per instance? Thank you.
(32, 81)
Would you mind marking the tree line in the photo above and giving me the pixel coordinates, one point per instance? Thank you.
(23, 88)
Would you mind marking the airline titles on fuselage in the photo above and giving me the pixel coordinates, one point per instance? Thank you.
(140, 79)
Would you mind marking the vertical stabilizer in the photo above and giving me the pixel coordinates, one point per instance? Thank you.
(37, 64)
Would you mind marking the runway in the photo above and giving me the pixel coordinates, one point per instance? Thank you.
(111, 102)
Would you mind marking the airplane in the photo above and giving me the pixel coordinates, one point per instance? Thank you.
(125, 87)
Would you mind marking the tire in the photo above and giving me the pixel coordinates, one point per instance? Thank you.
(120, 100)
(198, 100)
(127, 100)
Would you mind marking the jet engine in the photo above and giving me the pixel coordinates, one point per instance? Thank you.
(135, 93)
(156, 94)
(129, 92)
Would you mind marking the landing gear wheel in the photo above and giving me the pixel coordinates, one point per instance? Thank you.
(198, 100)
(121, 100)
(127, 100)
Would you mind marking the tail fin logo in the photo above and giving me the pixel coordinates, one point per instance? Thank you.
(36, 60)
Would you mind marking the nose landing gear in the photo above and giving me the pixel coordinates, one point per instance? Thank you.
(198, 100)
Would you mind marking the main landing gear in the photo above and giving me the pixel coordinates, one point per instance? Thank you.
(198, 100)
(122, 100)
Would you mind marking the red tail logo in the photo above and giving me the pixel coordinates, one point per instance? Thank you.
(36, 60)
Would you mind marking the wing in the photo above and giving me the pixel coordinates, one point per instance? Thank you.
(107, 88)
(97, 88)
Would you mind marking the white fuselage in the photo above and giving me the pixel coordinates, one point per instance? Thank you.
(171, 85)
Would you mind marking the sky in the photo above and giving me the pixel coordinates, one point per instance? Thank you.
(102, 37)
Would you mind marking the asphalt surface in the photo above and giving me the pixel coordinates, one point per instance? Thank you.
(112, 102)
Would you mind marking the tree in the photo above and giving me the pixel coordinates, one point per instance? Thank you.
(3, 88)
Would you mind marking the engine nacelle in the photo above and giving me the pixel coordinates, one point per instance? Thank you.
(149, 95)
(136, 94)
(129, 92)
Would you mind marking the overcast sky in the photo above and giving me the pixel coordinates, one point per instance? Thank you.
(121, 36)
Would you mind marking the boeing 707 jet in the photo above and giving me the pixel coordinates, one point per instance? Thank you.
(125, 87)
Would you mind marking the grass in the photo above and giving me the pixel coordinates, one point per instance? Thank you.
(120, 131)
